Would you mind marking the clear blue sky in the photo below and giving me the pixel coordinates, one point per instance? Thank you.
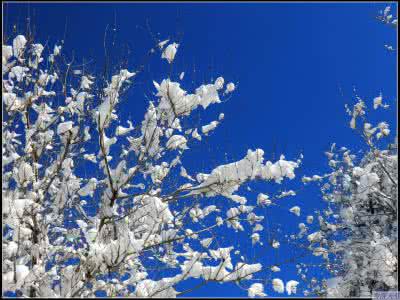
(294, 64)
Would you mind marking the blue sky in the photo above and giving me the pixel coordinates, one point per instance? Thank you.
(295, 65)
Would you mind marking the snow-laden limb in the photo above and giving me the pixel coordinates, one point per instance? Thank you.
(104, 114)
(209, 127)
(386, 17)
(91, 204)
(124, 130)
(226, 179)
(176, 102)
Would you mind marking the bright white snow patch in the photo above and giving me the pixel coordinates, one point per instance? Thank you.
(19, 45)
(170, 51)
(162, 44)
(310, 219)
(291, 286)
(314, 237)
(275, 269)
(277, 285)
(219, 83)
(263, 199)
(124, 130)
(64, 127)
(377, 101)
(256, 289)
(86, 83)
(275, 244)
(209, 127)
(196, 135)
(21, 271)
(230, 87)
(7, 52)
(177, 141)
(295, 210)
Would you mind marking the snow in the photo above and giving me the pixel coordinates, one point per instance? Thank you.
(108, 142)
(64, 127)
(208, 94)
(89, 188)
(175, 102)
(230, 87)
(315, 237)
(37, 49)
(142, 205)
(219, 83)
(263, 199)
(18, 72)
(275, 244)
(163, 43)
(303, 228)
(7, 53)
(291, 286)
(255, 238)
(104, 113)
(184, 174)
(295, 210)
(278, 286)
(124, 130)
(21, 271)
(56, 50)
(256, 289)
(19, 43)
(206, 242)
(11, 249)
(177, 141)
(25, 172)
(226, 179)
(196, 135)
(85, 83)
(377, 101)
(90, 157)
(366, 185)
(20, 205)
(207, 128)
(170, 52)
(275, 269)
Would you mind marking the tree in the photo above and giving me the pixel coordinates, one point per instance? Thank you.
(356, 233)
(71, 235)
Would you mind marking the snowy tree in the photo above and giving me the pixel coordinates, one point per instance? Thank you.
(70, 234)
(356, 235)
